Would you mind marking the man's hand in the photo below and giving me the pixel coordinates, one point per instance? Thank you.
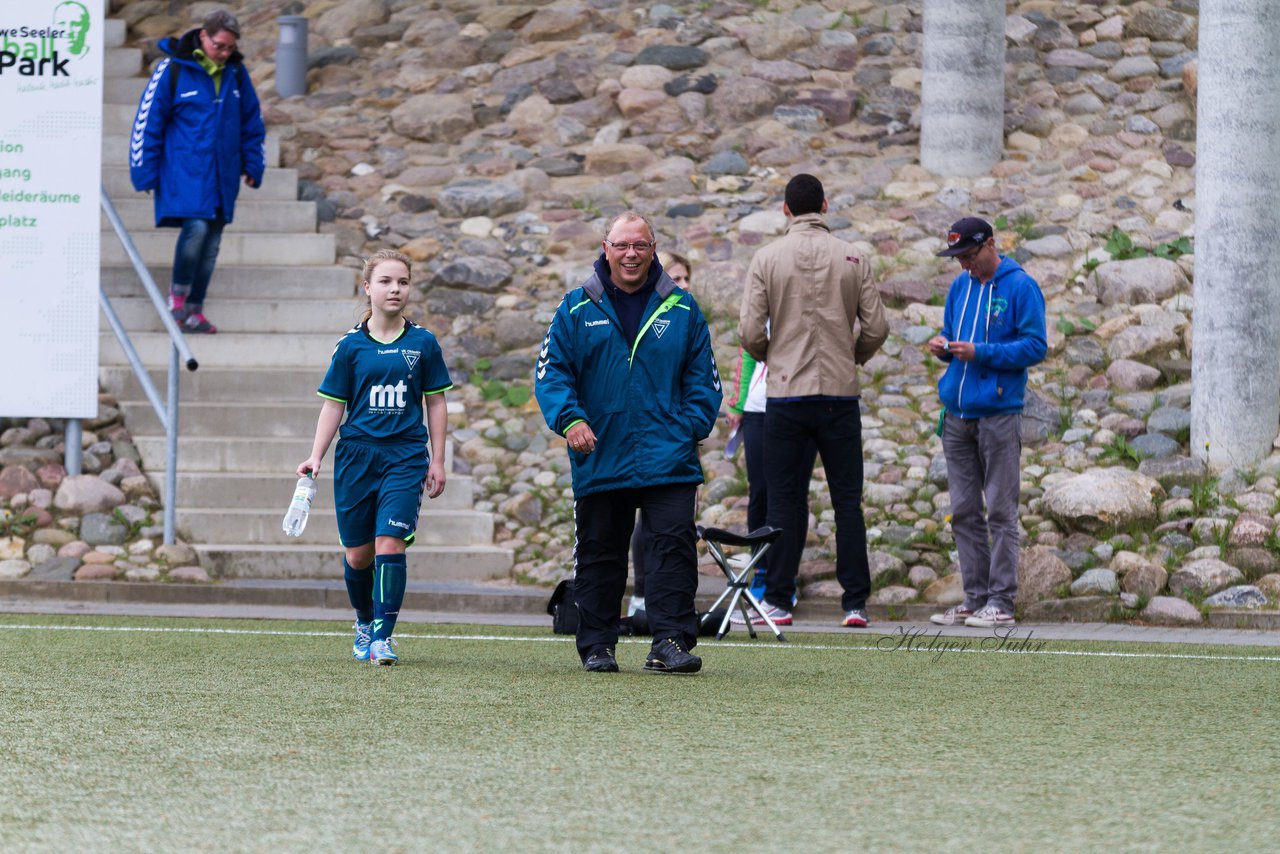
(734, 418)
(249, 182)
(963, 350)
(937, 345)
(581, 438)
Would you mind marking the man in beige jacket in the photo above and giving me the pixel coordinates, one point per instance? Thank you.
(812, 312)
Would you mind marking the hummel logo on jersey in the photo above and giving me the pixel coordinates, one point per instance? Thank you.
(386, 397)
(411, 357)
(660, 326)
(543, 356)
(604, 322)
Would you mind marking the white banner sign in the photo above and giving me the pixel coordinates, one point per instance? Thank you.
(51, 68)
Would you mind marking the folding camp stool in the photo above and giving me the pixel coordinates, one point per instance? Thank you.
(739, 573)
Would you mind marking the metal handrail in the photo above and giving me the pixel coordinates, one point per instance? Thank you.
(166, 410)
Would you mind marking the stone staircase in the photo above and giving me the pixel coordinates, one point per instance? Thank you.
(248, 414)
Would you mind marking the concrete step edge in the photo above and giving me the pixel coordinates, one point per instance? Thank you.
(339, 303)
(325, 475)
(461, 596)
(217, 405)
(445, 596)
(276, 509)
(425, 562)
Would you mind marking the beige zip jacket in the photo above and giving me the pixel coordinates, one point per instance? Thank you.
(823, 313)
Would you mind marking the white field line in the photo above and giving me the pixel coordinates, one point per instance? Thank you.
(887, 643)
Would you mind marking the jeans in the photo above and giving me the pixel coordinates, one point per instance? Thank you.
(791, 430)
(983, 458)
(194, 257)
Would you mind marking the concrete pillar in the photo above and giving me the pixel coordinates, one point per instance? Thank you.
(1235, 365)
(962, 95)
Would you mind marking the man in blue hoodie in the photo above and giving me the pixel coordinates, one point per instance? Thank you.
(992, 331)
(627, 376)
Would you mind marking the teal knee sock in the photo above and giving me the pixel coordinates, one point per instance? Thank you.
(359, 590)
(388, 593)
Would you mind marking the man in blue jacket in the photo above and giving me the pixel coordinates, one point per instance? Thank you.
(626, 374)
(992, 331)
(197, 131)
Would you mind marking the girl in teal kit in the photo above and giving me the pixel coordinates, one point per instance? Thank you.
(383, 373)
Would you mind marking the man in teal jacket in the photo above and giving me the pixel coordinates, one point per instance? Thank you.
(992, 331)
(627, 375)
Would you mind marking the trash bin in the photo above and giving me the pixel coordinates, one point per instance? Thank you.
(291, 56)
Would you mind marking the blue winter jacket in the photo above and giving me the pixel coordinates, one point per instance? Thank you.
(191, 145)
(649, 405)
(1005, 320)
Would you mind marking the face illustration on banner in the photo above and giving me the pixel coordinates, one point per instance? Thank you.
(73, 17)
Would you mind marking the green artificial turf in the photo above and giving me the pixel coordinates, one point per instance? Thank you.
(184, 739)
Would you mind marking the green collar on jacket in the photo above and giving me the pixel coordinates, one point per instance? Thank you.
(214, 69)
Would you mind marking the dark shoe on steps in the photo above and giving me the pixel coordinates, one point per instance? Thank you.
(601, 661)
(668, 656)
(196, 322)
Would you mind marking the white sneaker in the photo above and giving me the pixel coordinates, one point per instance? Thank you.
(990, 617)
(952, 616)
(779, 616)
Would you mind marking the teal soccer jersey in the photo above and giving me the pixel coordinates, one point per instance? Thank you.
(383, 383)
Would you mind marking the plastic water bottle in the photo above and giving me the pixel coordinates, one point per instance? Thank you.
(295, 520)
(732, 443)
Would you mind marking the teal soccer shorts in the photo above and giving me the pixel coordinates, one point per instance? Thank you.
(377, 490)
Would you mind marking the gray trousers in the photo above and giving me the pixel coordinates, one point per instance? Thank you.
(983, 457)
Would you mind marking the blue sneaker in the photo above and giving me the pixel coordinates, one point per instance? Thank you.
(364, 637)
(380, 652)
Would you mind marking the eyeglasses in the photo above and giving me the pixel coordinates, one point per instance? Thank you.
(222, 47)
(641, 246)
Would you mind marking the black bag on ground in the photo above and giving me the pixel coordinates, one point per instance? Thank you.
(563, 609)
(710, 621)
(638, 623)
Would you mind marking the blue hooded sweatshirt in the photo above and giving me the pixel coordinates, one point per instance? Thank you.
(1004, 319)
(191, 141)
(649, 401)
